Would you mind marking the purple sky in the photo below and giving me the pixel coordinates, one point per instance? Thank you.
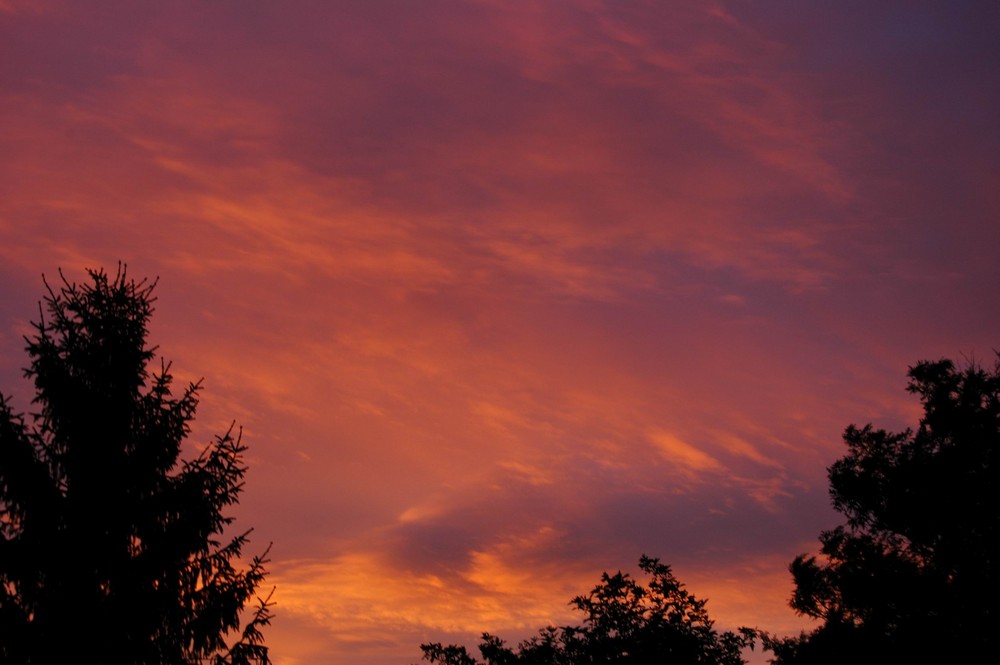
(506, 294)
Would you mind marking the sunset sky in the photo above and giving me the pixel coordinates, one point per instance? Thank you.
(506, 294)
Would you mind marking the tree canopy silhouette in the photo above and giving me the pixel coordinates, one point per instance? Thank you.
(913, 573)
(113, 547)
(625, 622)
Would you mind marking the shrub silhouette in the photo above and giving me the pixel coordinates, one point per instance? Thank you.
(625, 622)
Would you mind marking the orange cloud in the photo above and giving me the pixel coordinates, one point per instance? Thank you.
(684, 454)
(506, 294)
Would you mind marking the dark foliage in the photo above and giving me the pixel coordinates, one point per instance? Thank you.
(625, 623)
(912, 575)
(112, 547)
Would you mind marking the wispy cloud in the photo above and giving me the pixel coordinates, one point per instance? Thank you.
(506, 294)
(683, 454)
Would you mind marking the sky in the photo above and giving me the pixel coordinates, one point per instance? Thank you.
(506, 294)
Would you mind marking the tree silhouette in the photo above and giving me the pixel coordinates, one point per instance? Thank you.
(112, 547)
(625, 623)
(913, 573)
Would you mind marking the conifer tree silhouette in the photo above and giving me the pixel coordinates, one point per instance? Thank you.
(112, 548)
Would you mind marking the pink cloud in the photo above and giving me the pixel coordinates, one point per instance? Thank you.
(508, 294)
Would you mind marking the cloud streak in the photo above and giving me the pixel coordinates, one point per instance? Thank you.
(508, 294)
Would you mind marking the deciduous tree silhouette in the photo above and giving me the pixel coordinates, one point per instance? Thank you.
(913, 573)
(112, 547)
(625, 623)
